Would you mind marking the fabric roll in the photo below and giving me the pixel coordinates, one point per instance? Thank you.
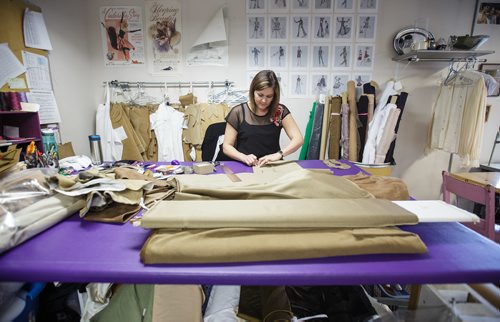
(315, 140)
(325, 128)
(353, 118)
(335, 125)
(400, 103)
(345, 131)
(249, 245)
(292, 213)
(363, 118)
(307, 135)
(388, 136)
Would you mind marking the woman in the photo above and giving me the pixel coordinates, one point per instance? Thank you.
(253, 128)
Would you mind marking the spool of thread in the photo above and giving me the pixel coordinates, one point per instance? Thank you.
(15, 104)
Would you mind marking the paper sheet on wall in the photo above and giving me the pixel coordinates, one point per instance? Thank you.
(10, 66)
(35, 31)
(49, 113)
(37, 71)
(211, 46)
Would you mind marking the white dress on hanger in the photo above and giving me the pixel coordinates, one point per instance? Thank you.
(112, 146)
(167, 124)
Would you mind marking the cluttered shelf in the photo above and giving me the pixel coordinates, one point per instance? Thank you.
(441, 55)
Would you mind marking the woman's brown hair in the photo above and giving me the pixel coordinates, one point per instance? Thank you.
(265, 79)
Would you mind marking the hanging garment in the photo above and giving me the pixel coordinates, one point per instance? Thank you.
(197, 119)
(112, 147)
(458, 120)
(386, 135)
(167, 125)
(132, 147)
(139, 116)
(307, 135)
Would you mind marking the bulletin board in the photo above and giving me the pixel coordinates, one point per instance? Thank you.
(11, 31)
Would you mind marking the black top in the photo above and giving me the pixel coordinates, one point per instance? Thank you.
(257, 135)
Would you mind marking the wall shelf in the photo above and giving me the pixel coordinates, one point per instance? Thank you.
(442, 55)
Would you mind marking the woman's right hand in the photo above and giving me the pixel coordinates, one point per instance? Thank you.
(249, 159)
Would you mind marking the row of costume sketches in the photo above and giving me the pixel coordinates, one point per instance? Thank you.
(458, 115)
(147, 128)
(353, 126)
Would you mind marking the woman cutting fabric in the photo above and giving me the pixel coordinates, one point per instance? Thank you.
(253, 128)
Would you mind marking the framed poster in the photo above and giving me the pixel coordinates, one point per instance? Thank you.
(364, 56)
(342, 56)
(299, 54)
(256, 56)
(343, 30)
(367, 25)
(256, 28)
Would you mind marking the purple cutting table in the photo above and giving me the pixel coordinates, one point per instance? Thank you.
(80, 251)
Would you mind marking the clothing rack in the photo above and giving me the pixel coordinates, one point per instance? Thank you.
(200, 84)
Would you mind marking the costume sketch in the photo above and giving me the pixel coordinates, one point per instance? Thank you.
(367, 5)
(321, 27)
(256, 56)
(278, 5)
(299, 55)
(300, 5)
(256, 6)
(366, 27)
(360, 79)
(344, 6)
(339, 83)
(364, 56)
(278, 27)
(322, 4)
(343, 27)
(342, 56)
(319, 83)
(299, 26)
(278, 56)
(256, 28)
(298, 84)
(320, 56)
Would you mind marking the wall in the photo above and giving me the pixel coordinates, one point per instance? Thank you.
(78, 72)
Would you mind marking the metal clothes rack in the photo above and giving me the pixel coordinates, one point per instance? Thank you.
(199, 84)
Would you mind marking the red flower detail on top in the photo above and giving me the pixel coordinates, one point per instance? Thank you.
(278, 115)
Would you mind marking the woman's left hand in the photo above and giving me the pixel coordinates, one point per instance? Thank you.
(268, 158)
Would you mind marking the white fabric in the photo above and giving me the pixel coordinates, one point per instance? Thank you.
(220, 140)
(375, 131)
(436, 211)
(167, 125)
(222, 304)
(112, 146)
(458, 118)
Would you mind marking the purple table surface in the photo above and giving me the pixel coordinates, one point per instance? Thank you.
(79, 251)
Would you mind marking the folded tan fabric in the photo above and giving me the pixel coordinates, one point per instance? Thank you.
(301, 183)
(247, 244)
(381, 186)
(277, 213)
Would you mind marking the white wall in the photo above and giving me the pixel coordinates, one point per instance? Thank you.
(78, 71)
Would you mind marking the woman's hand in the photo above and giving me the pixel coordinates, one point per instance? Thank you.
(268, 158)
(249, 159)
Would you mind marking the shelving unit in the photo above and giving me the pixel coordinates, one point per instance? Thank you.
(442, 55)
(28, 124)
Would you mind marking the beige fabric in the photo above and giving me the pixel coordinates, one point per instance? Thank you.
(247, 244)
(177, 303)
(132, 146)
(381, 186)
(297, 184)
(294, 213)
(353, 118)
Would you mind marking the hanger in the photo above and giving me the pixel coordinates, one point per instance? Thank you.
(166, 98)
(455, 76)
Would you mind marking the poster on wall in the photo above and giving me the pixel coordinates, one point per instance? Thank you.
(122, 35)
(164, 36)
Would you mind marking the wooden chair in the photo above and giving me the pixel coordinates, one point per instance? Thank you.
(484, 195)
